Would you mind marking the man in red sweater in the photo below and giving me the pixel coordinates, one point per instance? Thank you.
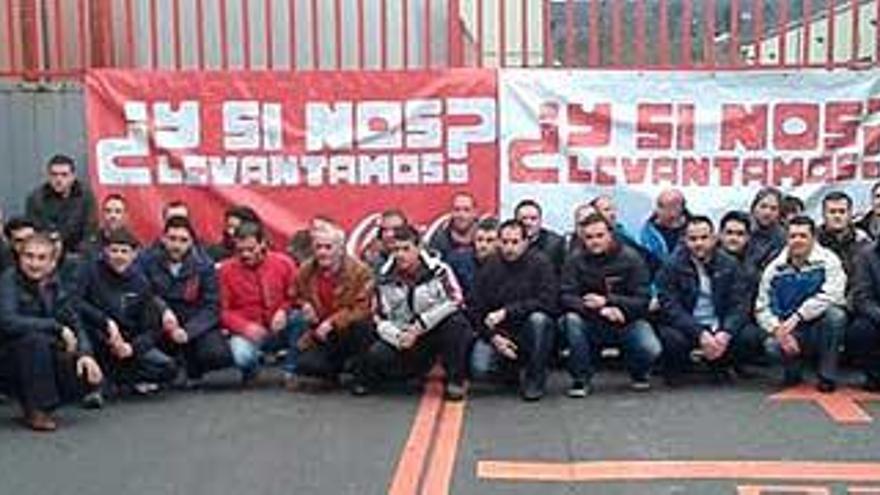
(255, 299)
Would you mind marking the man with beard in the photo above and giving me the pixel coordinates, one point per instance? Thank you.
(186, 282)
(45, 355)
(514, 301)
(114, 215)
(768, 234)
(124, 318)
(455, 241)
(605, 293)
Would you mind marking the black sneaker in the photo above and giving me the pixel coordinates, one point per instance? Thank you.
(532, 393)
(455, 392)
(93, 401)
(359, 389)
(579, 389)
(826, 386)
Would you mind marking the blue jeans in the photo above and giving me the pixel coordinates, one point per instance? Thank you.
(247, 354)
(534, 339)
(586, 338)
(820, 339)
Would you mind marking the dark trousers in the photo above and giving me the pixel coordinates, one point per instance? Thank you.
(451, 341)
(328, 359)
(818, 340)
(534, 340)
(863, 346)
(747, 345)
(208, 352)
(38, 373)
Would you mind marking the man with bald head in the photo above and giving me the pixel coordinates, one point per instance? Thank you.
(663, 230)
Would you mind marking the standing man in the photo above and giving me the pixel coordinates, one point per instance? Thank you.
(514, 301)
(485, 240)
(334, 292)
(232, 218)
(64, 202)
(378, 252)
(605, 293)
(662, 232)
(114, 215)
(455, 240)
(45, 355)
(419, 319)
(838, 233)
(256, 289)
(702, 305)
(186, 282)
(768, 234)
(125, 318)
(552, 245)
(870, 221)
(800, 305)
(605, 206)
(863, 336)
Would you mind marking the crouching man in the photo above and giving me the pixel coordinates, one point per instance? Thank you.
(45, 356)
(123, 317)
(419, 319)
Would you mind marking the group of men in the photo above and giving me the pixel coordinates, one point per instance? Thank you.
(86, 310)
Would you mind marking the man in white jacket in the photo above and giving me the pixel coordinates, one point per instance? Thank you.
(801, 305)
(419, 318)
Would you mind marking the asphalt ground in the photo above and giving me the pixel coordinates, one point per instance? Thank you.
(700, 438)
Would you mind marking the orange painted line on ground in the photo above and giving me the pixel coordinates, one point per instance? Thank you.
(864, 490)
(777, 489)
(415, 452)
(439, 475)
(841, 406)
(679, 470)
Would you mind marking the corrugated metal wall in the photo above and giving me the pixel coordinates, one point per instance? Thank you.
(35, 123)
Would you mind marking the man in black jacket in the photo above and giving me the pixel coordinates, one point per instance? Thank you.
(605, 293)
(513, 302)
(528, 212)
(863, 335)
(44, 353)
(64, 202)
(838, 232)
(124, 317)
(702, 304)
(185, 279)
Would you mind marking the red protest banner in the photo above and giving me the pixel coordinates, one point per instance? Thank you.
(292, 145)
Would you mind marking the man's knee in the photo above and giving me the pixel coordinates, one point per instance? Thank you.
(645, 340)
(834, 319)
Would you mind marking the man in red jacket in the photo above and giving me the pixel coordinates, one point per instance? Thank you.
(255, 299)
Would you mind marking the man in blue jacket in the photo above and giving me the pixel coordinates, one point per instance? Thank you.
(124, 317)
(701, 293)
(45, 356)
(185, 280)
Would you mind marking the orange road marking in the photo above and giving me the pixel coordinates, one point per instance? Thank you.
(864, 490)
(679, 470)
(415, 452)
(439, 474)
(796, 490)
(841, 406)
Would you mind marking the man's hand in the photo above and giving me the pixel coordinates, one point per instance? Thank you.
(179, 336)
(309, 313)
(68, 339)
(122, 350)
(323, 330)
(169, 321)
(504, 346)
(495, 318)
(279, 321)
(408, 339)
(789, 345)
(595, 301)
(709, 345)
(87, 368)
(613, 314)
(114, 336)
